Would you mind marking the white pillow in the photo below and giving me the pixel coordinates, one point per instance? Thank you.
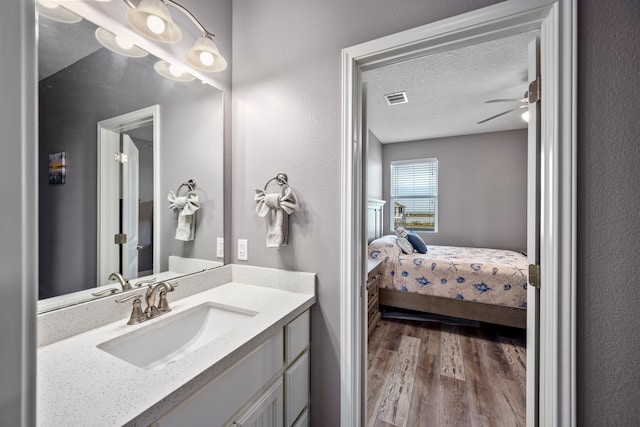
(405, 245)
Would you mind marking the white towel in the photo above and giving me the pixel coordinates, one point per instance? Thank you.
(276, 207)
(187, 206)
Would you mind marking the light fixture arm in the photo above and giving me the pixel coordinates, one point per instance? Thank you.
(185, 11)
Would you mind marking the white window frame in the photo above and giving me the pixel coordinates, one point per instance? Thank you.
(392, 199)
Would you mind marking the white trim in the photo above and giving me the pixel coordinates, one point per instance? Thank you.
(116, 124)
(558, 221)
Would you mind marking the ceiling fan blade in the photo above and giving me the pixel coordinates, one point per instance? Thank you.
(502, 114)
(506, 100)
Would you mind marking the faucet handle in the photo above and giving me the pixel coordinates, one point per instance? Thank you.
(147, 282)
(109, 291)
(137, 315)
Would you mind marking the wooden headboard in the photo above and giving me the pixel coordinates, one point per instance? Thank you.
(374, 219)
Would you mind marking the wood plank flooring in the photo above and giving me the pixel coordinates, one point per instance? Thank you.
(433, 374)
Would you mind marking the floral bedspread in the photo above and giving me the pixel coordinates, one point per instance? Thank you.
(491, 276)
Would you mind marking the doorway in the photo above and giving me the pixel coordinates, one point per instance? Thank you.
(128, 194)
(557, 245)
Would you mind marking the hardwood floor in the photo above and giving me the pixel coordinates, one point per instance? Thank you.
(433, 374)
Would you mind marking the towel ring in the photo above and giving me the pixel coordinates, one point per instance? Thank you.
(280, 178)
(191, 185)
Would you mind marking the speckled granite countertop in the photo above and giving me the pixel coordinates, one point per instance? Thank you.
(79, 384)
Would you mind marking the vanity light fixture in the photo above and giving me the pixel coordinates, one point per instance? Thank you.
(204, 55)
(525, 116)
(151, 18)
(172, 71)
(52, 10)
(119, 44)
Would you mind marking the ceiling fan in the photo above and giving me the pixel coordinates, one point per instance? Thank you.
(521, 103)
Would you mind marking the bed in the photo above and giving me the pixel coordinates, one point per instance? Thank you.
(487, 285)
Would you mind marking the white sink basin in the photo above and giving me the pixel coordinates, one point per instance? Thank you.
(167, 340)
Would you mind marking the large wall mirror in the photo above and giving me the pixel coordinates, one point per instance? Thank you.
(125, 158)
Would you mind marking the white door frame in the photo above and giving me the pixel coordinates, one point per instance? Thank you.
(557, 23)
(108, 219)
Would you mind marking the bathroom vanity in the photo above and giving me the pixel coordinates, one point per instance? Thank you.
(234, 350)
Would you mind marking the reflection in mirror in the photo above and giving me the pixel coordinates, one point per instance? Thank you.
(97, 108)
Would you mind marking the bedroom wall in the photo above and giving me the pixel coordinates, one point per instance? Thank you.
(482, 188)
(287, 115)
(374, 167)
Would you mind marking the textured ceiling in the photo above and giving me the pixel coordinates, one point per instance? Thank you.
(78, 39)
(446, 91)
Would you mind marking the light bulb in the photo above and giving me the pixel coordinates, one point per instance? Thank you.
(175, 70)
(155, 24)
(123, 43)
(48, 4)
(525, 116)
(206, 58)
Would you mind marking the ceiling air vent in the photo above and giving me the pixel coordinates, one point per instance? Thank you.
(396, 98)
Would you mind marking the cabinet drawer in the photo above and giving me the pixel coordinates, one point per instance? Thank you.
(296, 388)
(372, 291)
(373, 310)
(296, 337)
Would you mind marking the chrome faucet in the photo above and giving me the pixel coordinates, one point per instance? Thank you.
(154, 290)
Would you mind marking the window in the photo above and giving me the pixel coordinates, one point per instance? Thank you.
(414, 194)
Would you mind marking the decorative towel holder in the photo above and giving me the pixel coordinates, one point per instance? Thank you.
(281, 178)
(276, 208)
(191, 185)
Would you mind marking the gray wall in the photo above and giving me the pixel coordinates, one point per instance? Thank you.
(100, 86)
(374, 167)
(286, 108)
(482, 188)
(608, 315)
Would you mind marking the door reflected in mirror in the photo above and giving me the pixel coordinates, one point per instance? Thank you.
(87, 225)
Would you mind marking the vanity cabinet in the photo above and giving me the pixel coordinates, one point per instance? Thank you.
(268, 387)
(374, 268)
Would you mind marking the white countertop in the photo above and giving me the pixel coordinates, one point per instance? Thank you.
(80, 385)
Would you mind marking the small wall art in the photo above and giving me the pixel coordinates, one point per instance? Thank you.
(57, 168)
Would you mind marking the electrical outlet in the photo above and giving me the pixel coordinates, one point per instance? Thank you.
(220, 247)
(243, 250)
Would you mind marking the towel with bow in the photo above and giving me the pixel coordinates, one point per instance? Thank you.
(187, 206)
(276, 207)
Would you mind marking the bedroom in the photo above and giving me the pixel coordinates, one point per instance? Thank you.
(478, 199)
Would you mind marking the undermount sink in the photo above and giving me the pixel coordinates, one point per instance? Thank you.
(169, 339)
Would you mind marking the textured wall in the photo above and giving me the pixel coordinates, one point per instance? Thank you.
(608, 206)
(286, 109)
(482, 188)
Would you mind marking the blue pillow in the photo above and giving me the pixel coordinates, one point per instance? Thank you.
(417, 242)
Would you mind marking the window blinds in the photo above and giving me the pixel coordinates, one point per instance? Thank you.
(414, 194)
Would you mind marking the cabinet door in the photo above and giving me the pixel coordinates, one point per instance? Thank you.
(296, 385)
(215, 404)
(267, 411)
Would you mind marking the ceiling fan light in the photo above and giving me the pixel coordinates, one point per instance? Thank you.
(52, 10)
(152, 19)
(118, 44)
(172, 72)
(525, 116)
(204, 56)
